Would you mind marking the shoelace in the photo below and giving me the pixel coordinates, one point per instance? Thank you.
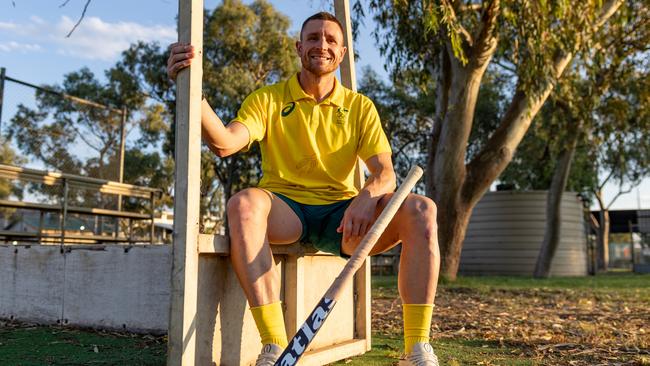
(423, 359)
(266, 358)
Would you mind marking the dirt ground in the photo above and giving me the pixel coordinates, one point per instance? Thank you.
(550, 326)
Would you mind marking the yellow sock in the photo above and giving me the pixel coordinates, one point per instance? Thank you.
(417, 324)
(270, 323)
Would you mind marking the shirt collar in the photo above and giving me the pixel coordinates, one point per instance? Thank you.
(335, 98)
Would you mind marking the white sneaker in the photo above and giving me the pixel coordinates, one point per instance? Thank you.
(270, 353)
(421, 355)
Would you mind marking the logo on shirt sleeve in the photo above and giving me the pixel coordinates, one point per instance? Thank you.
(288, 109)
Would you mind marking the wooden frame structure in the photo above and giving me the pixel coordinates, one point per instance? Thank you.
(70, 181)
(209, 319)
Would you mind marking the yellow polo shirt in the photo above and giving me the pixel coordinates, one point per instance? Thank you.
(309, 150)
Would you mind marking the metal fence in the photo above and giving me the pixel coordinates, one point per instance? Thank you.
(15, 93)
(41, 203)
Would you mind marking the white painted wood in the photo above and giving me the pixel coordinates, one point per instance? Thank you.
(294, 293)
(348, 74)
(362, 286)
(183, 310)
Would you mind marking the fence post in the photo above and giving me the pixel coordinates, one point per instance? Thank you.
(3, 72)
(153, 216)
(64, 214)
(121, 156)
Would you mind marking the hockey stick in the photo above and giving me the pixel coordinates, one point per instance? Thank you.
(299, 343)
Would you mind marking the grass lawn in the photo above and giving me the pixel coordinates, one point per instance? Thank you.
(602, 320)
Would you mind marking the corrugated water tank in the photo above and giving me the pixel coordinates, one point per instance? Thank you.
(506, 231)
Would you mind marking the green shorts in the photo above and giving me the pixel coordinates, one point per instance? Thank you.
(319, 223)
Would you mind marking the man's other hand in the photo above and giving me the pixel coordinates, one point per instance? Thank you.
(358, 218)
(180, 57)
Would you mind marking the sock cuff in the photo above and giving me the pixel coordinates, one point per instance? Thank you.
(266, 306)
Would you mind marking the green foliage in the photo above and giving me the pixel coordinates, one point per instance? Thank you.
(58, 129)
(8, 156)
(149, 170)
(411, 34)
(607, 91)
(405, 118)
(533, 165)
(81, 139)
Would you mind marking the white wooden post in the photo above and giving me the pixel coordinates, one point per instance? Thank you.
(362, 277)
(182, 318)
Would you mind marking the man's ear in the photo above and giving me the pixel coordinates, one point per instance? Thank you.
(298, 47)
(343, 51)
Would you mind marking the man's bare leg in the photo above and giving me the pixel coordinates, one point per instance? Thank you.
(256, 217)
(415, 226)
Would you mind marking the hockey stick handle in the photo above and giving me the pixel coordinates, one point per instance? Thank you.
(370, 239)
(301, 340)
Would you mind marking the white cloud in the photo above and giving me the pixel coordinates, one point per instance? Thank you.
(93, 39)
(96, 39)
(7, 26)
(13, 46)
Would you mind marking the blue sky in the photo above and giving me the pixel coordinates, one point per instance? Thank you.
(33, 46)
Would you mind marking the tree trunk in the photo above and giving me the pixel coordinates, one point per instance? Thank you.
(554, 208)
(447, 175)
(452, 223)
(603, 240)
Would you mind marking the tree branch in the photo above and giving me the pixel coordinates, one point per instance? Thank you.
(456, 23)
(505, 67)
(499, 149)
(620, 193)
(83, 13)
(470, 7)
(486, 39)
(611, 173)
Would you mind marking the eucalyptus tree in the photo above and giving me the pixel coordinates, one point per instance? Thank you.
(405, 115)
(245, 46)
(595, 124)
(451, 44)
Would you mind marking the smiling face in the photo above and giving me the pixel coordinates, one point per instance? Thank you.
(321, 47)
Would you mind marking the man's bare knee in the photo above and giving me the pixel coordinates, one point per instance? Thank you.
(420, 208)
(420, 211)
(248, 205)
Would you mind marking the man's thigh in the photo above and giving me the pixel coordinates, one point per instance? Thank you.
(284, 226)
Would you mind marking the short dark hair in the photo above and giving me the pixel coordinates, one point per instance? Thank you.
(323, 15)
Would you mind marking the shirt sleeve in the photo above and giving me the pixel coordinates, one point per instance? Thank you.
(373, 140)
(253, 115)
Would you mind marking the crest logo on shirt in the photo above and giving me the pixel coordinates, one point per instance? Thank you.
(288, 109)
(341, 115)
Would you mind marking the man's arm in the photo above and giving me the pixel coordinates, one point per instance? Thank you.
(222, 140)
(358, 217)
